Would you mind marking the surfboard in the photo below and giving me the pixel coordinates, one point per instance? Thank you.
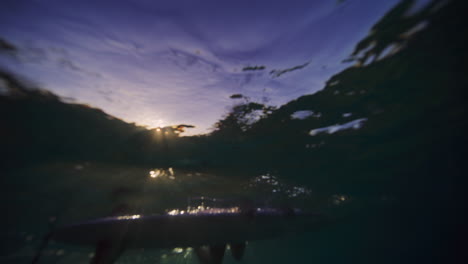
(214, 227)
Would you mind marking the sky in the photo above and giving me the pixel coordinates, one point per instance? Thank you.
(159, 63)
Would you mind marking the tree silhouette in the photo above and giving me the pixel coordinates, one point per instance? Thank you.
(391, 29)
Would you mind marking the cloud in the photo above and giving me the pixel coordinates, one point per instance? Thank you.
(192, 62)
(69, 65)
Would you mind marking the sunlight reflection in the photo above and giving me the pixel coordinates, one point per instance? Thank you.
(273, 184)
(155, 173)
(205, 210)
(339, 199)
(126, 217)
(178, 250)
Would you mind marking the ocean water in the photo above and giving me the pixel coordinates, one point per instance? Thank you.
(379, 149)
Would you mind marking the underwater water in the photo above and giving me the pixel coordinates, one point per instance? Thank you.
(378, 147)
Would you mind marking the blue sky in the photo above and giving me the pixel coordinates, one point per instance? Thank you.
(161, 63)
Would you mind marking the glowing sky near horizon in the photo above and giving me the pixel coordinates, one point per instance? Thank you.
(161, 63)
